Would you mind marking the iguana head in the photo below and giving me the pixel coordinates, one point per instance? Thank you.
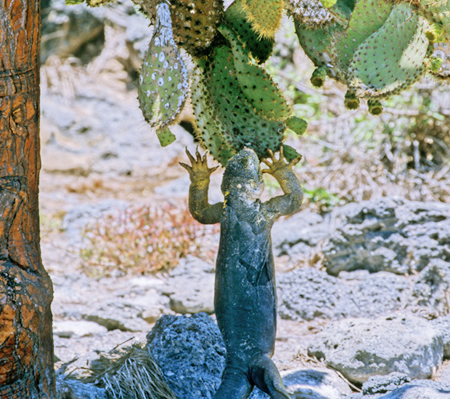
(243, 176)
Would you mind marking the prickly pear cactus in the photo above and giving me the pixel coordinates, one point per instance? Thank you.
(438, 11)
(264, 15)
(163, 83)
(260, 48)
(195, 23)
(392, 58)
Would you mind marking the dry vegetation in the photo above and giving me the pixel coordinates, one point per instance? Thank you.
(144, 239)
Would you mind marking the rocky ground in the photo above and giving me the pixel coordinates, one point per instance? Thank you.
(364, 290)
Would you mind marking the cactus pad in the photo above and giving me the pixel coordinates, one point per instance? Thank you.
(392, 58)
(195, 23)
(259, 48)
(165, 137)
(297, 125)
(258, 87)
(163, 83)
(209, 129)
(264, 15)
(367, 17)
(246, 127)
(290, 153)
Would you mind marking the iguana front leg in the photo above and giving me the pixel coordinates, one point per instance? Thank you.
(293, 194)
(200, 174)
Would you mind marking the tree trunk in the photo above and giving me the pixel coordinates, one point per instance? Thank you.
(26, 342)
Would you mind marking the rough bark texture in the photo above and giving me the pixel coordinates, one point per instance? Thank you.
(26, 344)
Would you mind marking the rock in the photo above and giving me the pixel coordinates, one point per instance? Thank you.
(191, 287)
(388, 234)
(301, 228)
(317, 383)
(190, 352)
(384, 383)
(306, 294)
(81, 328)
(370, 295)
(442, 325)
(73, 389)
(420, 389)
(362, 348)
(118, 314)
(432, 287)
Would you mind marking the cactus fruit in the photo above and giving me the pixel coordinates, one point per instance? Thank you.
(375, 107)
(255, 82)
(328, 3)
(195, 23)
(163, 83)
(264, 15)
(318, 77)
(165, 137)
(442, 52)
(259, 48)
(393, 57)
(350, 100)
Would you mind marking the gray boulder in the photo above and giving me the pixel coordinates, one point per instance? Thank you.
(304, 229)
(420, 389)
(388, 234)
(73, 389)
(306, 294)
(190, 352)
(442, 325)
(384, 383)
(432, 288)
(317, 383)
(191, 287)
(362, 348)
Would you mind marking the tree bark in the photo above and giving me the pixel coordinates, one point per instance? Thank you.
(26, 342)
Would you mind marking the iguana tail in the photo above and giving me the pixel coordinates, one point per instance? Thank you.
(263, 373)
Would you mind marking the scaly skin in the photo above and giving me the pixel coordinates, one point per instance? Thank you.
(245, 293)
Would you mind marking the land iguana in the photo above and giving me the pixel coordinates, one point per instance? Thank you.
(245, 293)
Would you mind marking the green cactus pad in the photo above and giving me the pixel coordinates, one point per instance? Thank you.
(367, 17)
(195, 23)
(317, 42)
(264, 15)
(246, 127)
(297, 125)
(290, 153)
(163, 82)
(259, 48)
(258, 87)
(209, 129)
(165, 137)
(392, 58)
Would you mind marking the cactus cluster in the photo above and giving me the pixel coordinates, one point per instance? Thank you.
(377, 48)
